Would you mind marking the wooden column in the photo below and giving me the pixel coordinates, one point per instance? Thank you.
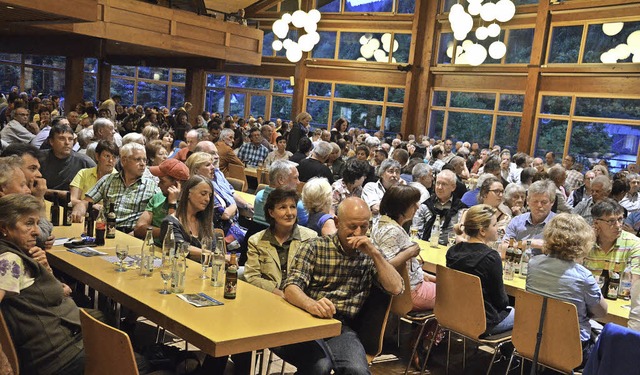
(73, 82)
(538, 49)
(194, 90)
(300, 78)
(104, 80)
(420, 79)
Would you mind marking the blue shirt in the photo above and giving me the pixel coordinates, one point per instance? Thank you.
(258, 208)
(470, 198)
(567, 281)
(521, 228)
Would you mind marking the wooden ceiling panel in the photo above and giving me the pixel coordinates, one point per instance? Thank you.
(39, 12)
(228, 6)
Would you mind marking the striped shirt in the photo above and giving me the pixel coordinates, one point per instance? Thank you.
(321, 268)
(130, 201)
(626, 248)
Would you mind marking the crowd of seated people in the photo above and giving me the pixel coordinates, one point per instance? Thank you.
(159, 170)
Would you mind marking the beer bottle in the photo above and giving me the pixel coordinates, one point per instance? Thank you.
(101, 227)
(111, 221)
(231, 279)
(67, 210)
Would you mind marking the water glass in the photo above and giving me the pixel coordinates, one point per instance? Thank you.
(166, 272)
(121, 252)
(451, 238)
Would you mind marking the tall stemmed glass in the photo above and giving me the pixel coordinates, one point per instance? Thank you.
(121, 252)
(205, 255)
(166, 271)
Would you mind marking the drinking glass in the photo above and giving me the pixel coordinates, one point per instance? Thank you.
(121, 252)
(217, 268)
(451, 238)
(166, 272)
(414, 232)
(205, 256)
(184, 248)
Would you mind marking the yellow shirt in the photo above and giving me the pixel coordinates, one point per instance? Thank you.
(86, 178)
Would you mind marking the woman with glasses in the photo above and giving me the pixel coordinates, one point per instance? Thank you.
(491, 193)
(613, 246)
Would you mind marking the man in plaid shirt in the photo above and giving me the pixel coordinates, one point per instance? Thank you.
(253, 153)
(330, 277)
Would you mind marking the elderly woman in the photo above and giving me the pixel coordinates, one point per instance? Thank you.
(398, 206)
(514, 198)
(43, 322)
(559, 274)
(85, 179)
(350, 185)
(316, 197)
(475, 257)
(226, 210)
(372, 193)
(270, 251)
(193, 218)
(156, 153)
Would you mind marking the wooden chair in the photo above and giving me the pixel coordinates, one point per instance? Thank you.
(262, 174)
(260, 187)
(108, 350)
(7, 346)
(560, 347)
(460, 309)
(237, 172)
(371, 322)
(402, 305)
(300, 187)
(238, 185)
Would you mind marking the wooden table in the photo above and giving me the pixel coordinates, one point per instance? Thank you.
(251, 171)
(618, 311)
(249, 198)
(256, 319)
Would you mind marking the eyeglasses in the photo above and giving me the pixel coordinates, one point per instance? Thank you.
(139, 160)
(497, 191)
(612, 222)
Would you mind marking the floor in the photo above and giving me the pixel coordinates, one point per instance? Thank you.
(393, 359)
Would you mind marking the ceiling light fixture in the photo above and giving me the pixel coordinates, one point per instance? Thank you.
(308, 21)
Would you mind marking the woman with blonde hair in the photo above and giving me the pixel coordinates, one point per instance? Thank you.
(475, 257)
(316, 197)
(560, 273)
(298, 130)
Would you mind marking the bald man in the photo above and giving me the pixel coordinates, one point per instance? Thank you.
(331, 277)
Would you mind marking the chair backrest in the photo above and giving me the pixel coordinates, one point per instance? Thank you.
(371, 321)
(402, 304)
(560, 347)
(262, 175)
(237, 171)
(260, 187)
(238, 185)
(459, 302)
(108, 350)
(7, 346)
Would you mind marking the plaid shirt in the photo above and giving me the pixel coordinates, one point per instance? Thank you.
(627, 247)
(130, 201)
(321, 268)
(574, 180)
(253, 154)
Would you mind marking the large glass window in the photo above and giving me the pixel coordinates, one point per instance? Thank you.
(488, 118)
(598, 128)
(518, 43)
(565, 44)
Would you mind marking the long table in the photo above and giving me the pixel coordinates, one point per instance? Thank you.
(256, 319)
(618, 311)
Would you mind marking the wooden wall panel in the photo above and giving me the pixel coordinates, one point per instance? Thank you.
(474, 82)
(587, 84)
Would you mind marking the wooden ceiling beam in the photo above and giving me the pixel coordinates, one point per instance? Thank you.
(259, 6)
(71, 11)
